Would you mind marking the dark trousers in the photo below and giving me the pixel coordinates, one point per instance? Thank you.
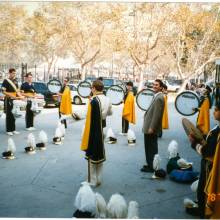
(125, 125)
(201, 186)
(151, 148)
(64, 120)
(29, 117)
(10, 119)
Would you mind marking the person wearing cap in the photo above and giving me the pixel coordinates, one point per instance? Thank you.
(153, 125)
(65, 106)
(28, 91)
(128, 114)
(92, 143)
(11, 92)
(203, 119)
(208, 193)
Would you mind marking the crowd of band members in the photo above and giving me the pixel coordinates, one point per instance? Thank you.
(155, 118)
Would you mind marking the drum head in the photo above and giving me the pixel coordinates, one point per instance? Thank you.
(54, 86)
(84, 89)
(186, 103)
(116, 94)
(144, 99)
(191, 129)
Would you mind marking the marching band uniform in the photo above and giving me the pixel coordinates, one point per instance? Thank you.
(128, 114)
(9, 86)
(209, 152)
(203, 119)
(92, 141)
(165, 121)
(65, 106)
(29, 90)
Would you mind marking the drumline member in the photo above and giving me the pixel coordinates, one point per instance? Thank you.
(28, 90)
(11, 92)
(99, 108)
(128, 114)
(165, 121)
(203, 119)
(65, 106)
(208, 193)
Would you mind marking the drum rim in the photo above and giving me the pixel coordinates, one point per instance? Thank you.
(139, 94)
(118, 87)
(78, 88)
(191, 92)
(54, 80)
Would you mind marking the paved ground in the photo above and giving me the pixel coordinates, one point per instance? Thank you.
(45, 184)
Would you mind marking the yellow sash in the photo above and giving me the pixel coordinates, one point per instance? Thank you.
(203, 120)
(212, 188)
(85, 138)
(66, 103)
(165, 121)
(12, 94)
(129, 109)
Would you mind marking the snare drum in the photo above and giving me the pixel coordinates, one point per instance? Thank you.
(19, 108)
(37, 104)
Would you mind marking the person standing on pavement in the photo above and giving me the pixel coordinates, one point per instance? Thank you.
(27, 90)
(65, 106)
(153, 125)
(11, 92)
(128, 114)
(92, 143)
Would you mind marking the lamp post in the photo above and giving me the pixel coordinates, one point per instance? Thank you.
(217, 81)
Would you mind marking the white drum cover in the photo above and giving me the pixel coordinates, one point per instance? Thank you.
(144, 99)
(116, 94)
(54, 86)
(186, 103)
(84, 89)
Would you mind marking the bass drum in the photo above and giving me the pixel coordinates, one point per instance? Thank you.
(84, 89)
(144, 99)
(187, 103)
(116, 94)
(54, 86)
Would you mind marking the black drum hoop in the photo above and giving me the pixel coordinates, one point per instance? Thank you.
(119, 88)
(78, 88)
(53, 81)
(139, 94)
(189, 92)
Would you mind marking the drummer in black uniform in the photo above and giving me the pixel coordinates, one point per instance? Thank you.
(11, 92)
(27, 89)
(207, 152)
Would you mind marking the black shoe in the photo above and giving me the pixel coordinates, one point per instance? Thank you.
(147, 169)
(193, 211)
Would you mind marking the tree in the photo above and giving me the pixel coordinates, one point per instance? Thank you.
(11, 32)
(194, 38)
(149, 22)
